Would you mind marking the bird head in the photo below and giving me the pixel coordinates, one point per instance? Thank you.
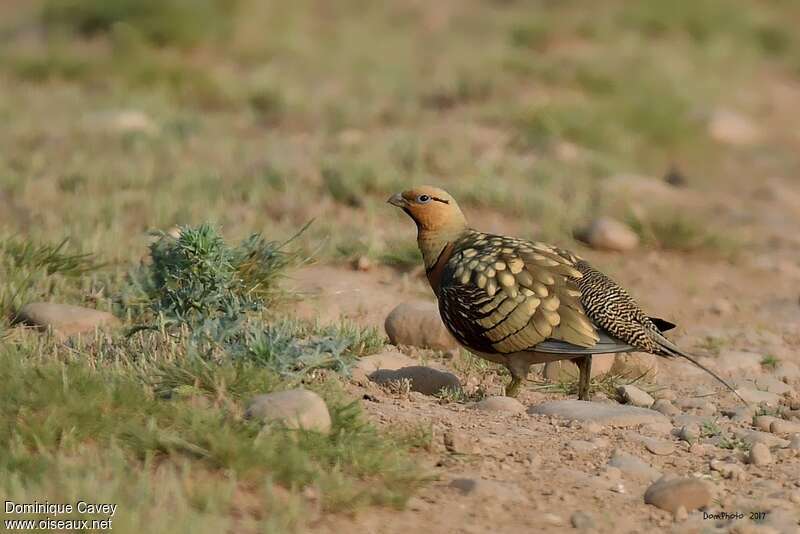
(433, 209)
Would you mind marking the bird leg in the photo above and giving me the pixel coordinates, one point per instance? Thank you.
(518, 368)
(584, 376)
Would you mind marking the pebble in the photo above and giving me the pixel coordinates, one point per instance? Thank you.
(418, 324)
(779, 426)
(733, 128)
(666, 394)
(763, 422)
(794, 443)
(689, 433)
(633, 466)
(295, 408)
(666, 407)
(634, 396)
(670, 494)
(614, 415)
(567, 370)
(637, 364)
(760, 455)
(425, 380)
(606, 233)
(65, 320)
(500, 404)
(367, 365)
(582, 520)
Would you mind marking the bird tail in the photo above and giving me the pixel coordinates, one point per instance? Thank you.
(671, 349)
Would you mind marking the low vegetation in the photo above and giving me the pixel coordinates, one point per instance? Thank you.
(157, 412)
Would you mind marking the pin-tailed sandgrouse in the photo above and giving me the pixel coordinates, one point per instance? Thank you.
(519, 302)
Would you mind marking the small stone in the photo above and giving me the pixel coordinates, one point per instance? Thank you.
(666, 407)
(606, 233)
(362, 263)
(552, 519)
(568, 370)
(732, 128)
(763, 422)
(64, 319)
(633, 466)
(613, 415)
(780, 426)
(637, 364)
(664, 429)
(689, 433)
(794, 443)
(634, 396)
(582, 520)
(760, 455)
(500, 404)
(418, 324)
(295, 408)
(367, 365)
(425, 380)
(672, 494)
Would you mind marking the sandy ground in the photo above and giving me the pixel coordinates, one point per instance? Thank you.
(535, 473)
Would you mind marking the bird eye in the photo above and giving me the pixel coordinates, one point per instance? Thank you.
(422, 199)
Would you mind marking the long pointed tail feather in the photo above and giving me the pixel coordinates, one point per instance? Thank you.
(674, 350)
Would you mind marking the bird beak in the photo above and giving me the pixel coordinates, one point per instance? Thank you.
(397, 200)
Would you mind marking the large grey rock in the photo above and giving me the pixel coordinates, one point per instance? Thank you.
(294, 408)
(66, 320)
(425, 380)
(674, 493)
(418, 324)
(607, 414)
(385, 360)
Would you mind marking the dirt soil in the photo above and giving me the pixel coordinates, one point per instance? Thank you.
(535, 472)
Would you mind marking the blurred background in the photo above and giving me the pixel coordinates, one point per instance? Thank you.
(126, 115)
